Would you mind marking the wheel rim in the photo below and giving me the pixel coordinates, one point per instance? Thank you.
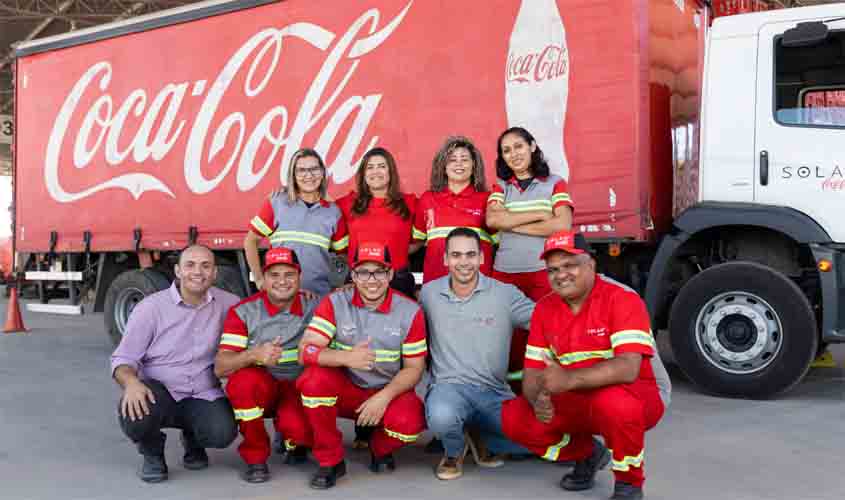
(738, 332)
(126, 301)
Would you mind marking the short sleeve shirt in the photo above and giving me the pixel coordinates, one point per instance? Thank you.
(396, 330)
(380, 224)
(310, 231)
(438, 213)
(612, 321)
(520, 253)
(255, 320)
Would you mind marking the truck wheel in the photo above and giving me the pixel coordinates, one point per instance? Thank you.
(229, 279)
(124, 293)
(743, 329)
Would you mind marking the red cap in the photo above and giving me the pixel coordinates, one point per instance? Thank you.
(566, 241)
(371, 252)
(280, 255)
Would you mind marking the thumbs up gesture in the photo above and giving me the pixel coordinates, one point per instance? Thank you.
(361, 357)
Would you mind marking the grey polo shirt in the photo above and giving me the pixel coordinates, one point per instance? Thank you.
(469, 339)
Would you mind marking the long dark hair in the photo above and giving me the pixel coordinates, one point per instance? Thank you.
(439, 180)
(395, 200)
(539, 167)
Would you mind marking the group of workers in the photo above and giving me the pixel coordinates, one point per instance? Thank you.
(528, 350)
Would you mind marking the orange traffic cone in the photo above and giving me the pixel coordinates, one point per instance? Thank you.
(14, 321)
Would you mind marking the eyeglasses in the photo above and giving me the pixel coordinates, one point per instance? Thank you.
(365, 275)
(304, 172)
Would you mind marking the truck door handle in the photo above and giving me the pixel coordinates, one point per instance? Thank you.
(764, 168)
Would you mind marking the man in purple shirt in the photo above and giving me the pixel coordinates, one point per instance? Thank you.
(165, 365)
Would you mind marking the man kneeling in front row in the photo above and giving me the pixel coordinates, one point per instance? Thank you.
(590, 367)
(364, 352)
(258, 352)
(165, 365)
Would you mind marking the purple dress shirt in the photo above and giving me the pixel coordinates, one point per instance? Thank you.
(175, 343)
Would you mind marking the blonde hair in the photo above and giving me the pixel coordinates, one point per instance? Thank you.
(292, 189)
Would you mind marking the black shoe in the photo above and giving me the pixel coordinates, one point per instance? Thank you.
(382, 464)
(256, 473)
(362, 437)
(435, 447)
(326, 477)
(625, 490)
(153, 469)
(584, 474)
(296, 456)
(195, 457)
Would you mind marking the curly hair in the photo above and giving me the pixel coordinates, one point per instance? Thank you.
(439, 180)
(395, 200)
(539, 166)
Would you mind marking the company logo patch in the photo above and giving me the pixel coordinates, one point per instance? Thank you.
(597, 332)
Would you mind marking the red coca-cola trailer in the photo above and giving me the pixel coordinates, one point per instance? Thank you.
(138, 137)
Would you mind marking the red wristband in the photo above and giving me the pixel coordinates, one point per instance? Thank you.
(311, 355)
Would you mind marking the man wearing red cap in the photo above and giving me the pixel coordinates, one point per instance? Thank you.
(258, 352)
(364, 352)
(590, 367)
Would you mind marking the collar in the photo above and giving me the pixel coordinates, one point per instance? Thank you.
(513, 180)
(176, 296)
(446, 289)
(466, 192)
(384, 308)
(322, 201)
(295, 306)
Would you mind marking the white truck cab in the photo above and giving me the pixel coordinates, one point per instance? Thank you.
(750, 279)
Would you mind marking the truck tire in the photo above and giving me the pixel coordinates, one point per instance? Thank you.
(124, 293)
(743, 329)
(229, 279)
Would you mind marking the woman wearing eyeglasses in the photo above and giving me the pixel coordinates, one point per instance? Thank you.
(300, 218)
(378, 211)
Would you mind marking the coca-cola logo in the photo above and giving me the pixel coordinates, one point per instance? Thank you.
(101, 131)
(547, 64)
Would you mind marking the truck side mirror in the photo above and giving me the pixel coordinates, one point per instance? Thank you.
(805, 34)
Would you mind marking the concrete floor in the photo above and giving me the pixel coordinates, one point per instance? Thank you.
(59, 439)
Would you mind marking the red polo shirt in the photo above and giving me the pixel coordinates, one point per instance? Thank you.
(438, 213)
(613, 320)
(380, 224)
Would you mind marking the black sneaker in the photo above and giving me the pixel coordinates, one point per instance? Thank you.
(626, 490)
(195, 457)
(584, 474)
(326, 477)
(256, 473)
(296, 456)
(382, 464)
(153, 469)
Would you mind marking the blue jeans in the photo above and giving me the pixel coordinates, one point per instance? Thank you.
(449, 407)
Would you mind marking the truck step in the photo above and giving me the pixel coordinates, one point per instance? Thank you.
(55, 308)
(53, 276)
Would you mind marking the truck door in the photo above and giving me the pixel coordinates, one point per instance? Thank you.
(800, 124)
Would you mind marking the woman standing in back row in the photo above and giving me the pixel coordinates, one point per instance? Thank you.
(457, 197)
(527, 204)
(300, 218)
(378, 211)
